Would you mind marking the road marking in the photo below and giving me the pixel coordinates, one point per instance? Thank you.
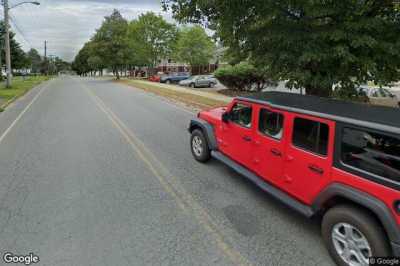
(184, 200)
(2, 137)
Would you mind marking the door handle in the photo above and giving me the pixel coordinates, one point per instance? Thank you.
(247, 138)
(276, 152)
(316, 169)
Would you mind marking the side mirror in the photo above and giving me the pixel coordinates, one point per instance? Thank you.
(226, 117)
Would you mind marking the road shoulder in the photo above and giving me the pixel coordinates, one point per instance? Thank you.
(14, 108)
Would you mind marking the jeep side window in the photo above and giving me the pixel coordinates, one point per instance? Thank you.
(241, 114)
(271, 123)
(311, 136)
(371, 152)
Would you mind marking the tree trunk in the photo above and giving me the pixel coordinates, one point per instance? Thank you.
(118, 77)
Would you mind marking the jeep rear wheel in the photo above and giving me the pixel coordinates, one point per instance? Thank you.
(352, 235)
(199, 146)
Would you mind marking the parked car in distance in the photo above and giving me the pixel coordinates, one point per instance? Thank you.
(379, 96)
(175, 77)
(155, 78)
(323, 158)
(199, 81)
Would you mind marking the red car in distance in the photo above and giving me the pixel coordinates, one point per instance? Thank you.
(155, 78)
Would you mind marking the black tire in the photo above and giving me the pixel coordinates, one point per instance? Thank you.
(211, 85)
(205, 154)
(168, 81)
(192, 85)
(360, 219)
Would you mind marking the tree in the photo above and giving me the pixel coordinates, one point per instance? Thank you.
(35, 60)
(194, 47)
(243, 77)
(19, 58)
(95, 63)
(312, 44)
(151, 39)
(111, 42)
(80, 64)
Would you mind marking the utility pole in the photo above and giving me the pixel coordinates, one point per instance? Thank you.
(7, 38)
(7, 44)
(45, 58)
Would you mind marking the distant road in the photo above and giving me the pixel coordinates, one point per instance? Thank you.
(98, 173)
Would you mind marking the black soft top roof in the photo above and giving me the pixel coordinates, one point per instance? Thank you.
(331, 108)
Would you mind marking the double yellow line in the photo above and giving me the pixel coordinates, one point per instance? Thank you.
(183, 199)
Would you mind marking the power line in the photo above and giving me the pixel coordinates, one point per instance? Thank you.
(21, 32)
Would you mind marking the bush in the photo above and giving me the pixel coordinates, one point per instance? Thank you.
(242, 77)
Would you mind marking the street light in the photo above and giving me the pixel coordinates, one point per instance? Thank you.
(25, 2)
(7, 41)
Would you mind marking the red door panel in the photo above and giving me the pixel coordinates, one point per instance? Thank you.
(269, 142)
(236, 138)
(308, 158)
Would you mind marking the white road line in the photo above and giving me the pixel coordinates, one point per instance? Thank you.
(2, 137)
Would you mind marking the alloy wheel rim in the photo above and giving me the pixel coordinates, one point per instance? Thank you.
(351, 245)
(197, 145)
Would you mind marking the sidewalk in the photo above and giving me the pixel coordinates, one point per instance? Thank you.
(211, 95)
(193, 99)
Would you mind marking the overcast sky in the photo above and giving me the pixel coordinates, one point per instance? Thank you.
(68, 24)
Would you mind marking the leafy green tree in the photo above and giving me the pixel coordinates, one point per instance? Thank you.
(19, 58)
(95, 63)
(35, 60)
(111, 42)
(243, 77)
(151, 39)
(312, 44)
(80, 64)
(194, 47)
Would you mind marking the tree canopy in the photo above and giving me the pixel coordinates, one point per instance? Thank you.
(194, 46)
(110, 41)
(145, 41)
(19, 58)
(118, 44)
(151, 39)
(35, 60)
(312, 44)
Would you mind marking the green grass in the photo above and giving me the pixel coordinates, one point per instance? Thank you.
(19, 88)
(187, 98)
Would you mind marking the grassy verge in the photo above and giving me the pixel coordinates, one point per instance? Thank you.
(19, 88)
(189, 99)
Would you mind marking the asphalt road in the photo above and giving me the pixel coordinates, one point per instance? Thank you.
(97, 173)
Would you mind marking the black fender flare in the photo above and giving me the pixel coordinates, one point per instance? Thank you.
(375, 205)
(208, 131)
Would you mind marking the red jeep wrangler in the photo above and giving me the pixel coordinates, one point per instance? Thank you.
(337, 160)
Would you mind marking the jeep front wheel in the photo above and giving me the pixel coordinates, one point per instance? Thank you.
(352, 236)
(199, 146)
